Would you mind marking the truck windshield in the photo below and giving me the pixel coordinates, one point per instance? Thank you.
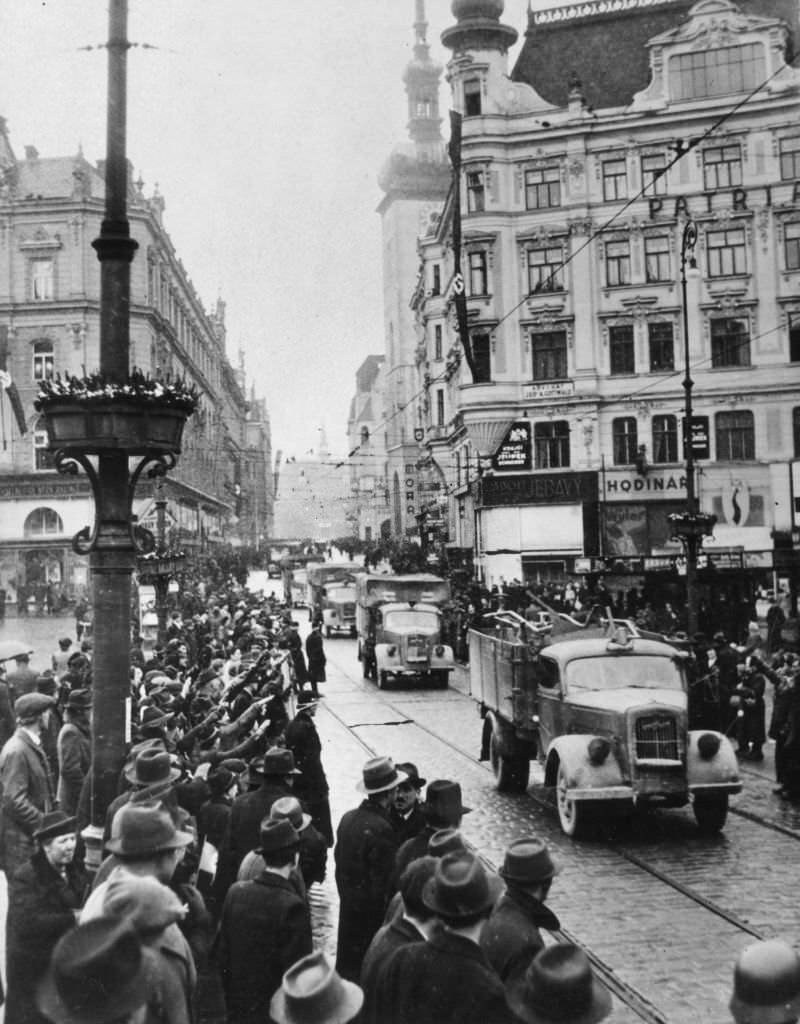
(617, 673)
(427, 621)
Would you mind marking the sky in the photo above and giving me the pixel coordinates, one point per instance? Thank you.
(264, 124)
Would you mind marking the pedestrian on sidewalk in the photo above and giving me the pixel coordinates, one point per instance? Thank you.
(311, 786)
(315, 657)
(74, 746)
(365, 850)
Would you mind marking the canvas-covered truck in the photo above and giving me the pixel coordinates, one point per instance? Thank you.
(332, 596)
(606, 715)
(399, 624)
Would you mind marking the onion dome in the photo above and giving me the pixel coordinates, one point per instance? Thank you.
(477, 9)
(478, 26)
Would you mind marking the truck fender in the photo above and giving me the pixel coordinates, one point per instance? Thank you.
(444, 660)
(384, 660)
(719, 771)
(573, 753)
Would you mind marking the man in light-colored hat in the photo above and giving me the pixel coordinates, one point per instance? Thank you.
(264, 929)
(766, 984)
(27, 785)
(311, 990)
(448, 977)
(511, 937)
(365, 850)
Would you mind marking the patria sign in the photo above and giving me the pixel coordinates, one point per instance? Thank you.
(667, 484)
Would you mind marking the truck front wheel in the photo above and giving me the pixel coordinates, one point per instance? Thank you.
(573, 815)
(711, 812)
(510, 771)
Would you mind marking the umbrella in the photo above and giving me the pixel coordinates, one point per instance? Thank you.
(11, 648)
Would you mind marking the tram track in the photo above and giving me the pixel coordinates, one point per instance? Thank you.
(402, 713)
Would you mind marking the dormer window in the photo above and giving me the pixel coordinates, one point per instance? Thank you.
(703, 74)
(472, 97)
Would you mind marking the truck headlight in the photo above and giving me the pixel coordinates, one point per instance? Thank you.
(599, 749)
(708, 745)
(439, 651)
(391, 650)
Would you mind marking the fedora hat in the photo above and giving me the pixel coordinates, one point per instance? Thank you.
(152, 765)
(312, 991)
(766, 984)
(98, 973)
(155, 718)
(412, 773)
(378, 775)
(445, 840)
(559, 987)
(443, 803)
(461, 887)
(139, 830)
(55, 823)
(145, 902)
(276, 761)
(288, 807)
(277, 834)
(528, 862)
(79, 700)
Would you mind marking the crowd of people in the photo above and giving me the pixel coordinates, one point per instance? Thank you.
(222, 827)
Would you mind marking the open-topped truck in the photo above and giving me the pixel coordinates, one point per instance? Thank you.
(605, 712)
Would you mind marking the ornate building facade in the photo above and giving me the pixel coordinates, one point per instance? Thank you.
(50, 212)
(561, 449)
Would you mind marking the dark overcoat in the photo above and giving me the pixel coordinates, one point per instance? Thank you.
(315, 655)
(40, 911)
(28, 794)
(407, 828)
(389, 938)
(411, 849)
(446, 978)
(364, 854)
(74, 759)
(265, 928)
(311, 787)
(511, 937)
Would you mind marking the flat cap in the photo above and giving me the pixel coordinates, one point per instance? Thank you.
(31, 705)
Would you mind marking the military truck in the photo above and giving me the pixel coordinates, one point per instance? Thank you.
(399, 625)
(332, 596)
(606, 715)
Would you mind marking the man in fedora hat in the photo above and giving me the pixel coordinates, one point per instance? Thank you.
(311, 787)
(559, 987)
(448, 977)
(443, 808)
(152, 766)
(766, 984)
(74, 747)
(274, 772)
(511, 937)
(365, 849)
(406, 813)
(311, 990)
(264, 929)
(413, 923)
(99, 974)
(26, 783)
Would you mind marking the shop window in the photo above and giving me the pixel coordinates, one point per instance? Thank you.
(662, 351)
(482, 357)
(43, 360)
(43, 522)
(620, 343)
(665, 439)
(543, 187)
(549, 355)
(736, 437)
(545, 270)
(618, 263)
(727, 252)
(551, 444)
(730, 342)
(625, 440)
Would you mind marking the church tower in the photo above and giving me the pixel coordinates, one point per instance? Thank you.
(415, 181)
(480, 45)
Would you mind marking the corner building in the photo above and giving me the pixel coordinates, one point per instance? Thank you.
(563, 450)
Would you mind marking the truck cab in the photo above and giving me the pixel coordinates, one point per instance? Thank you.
(332, 596)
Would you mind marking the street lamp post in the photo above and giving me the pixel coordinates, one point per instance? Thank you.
(691, 526)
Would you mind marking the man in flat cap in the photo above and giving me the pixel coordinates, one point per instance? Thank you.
(27, 785)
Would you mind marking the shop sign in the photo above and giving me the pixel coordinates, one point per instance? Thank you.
(659, 563)
(556, 389)
(701, 447)
(725, 559)
(539, 489)
(513, 454)
(628, 485)
(757, 559)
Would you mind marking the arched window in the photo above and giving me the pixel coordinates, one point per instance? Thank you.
(43, 522)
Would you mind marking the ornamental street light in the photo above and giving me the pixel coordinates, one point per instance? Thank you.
(691, 526)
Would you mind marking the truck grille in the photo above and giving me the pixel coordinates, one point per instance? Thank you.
(349, 609)
(657, 738)
(417, 649)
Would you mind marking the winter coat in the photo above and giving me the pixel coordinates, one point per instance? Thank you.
(40, 911)
(365, 848)
(446, 978)
(316, 657)
(28, 795)
(511, 937)
(74, 759)
(311, 787)
(389, 938)
(407, 828)
(265, 928)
